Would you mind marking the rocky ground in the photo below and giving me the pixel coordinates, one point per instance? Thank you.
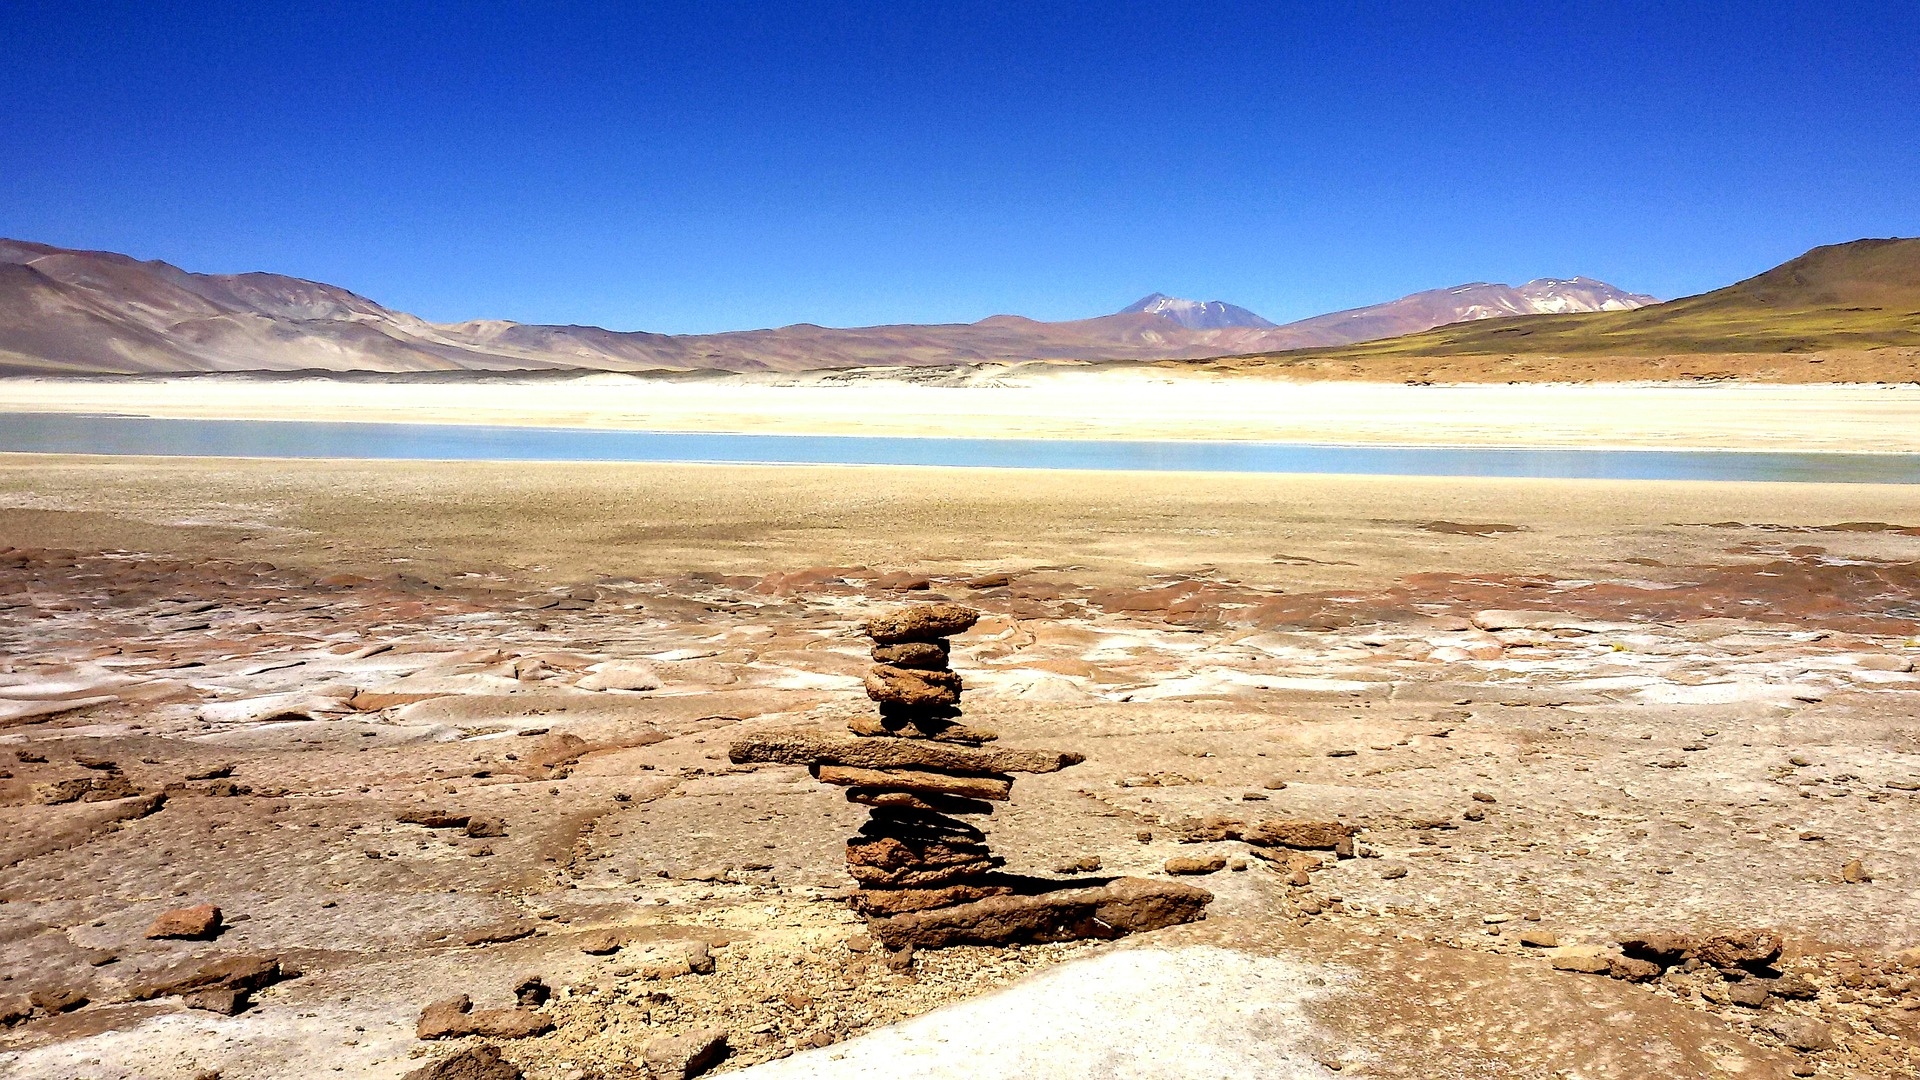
(400, 787)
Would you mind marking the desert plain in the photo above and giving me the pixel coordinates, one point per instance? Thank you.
(422, 730)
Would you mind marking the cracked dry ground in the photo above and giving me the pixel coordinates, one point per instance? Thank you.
(1551, 734)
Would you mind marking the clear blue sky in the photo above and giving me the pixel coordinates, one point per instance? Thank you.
(718, 166)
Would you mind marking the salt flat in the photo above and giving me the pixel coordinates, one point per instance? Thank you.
(1054, 401)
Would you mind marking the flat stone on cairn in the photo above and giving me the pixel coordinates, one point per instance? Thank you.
(926, 877)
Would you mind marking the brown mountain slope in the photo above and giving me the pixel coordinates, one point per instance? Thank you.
(92, 312)
(1862, 295)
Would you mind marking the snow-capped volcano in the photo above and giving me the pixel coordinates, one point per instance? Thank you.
(1196, 314)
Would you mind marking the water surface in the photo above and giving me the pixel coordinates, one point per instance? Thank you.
(69, 433)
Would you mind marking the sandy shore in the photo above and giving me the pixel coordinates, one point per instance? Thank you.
(1051, 402)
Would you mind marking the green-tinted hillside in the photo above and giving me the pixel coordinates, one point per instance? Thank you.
(1861, 295)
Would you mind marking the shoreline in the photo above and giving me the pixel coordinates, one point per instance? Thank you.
(1108, 405)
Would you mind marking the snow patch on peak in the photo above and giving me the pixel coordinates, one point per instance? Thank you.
(1196, 314)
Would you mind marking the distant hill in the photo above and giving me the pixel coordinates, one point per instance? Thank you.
(1859, 295)
(93, 312)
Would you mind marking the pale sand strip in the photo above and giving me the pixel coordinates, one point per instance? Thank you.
(1062, 403)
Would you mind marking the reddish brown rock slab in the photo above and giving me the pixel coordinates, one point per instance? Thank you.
(881, 903)
(907, 800)
(893, 853)
(476, 1063)
(912, 688)
(927, 655)
(1125, 906)
(921, 622)
(868, 727)
(246, 972)
(917, 781)
(924, 877)
(1195, 864)
(1752, 949)
(800, 747)
(200, 922)
(224, 1000)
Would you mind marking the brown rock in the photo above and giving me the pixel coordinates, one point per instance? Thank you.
(1632, 970)
(480, 827)
(1081, 864)
(880, 903)
(927, 655)
(513, 1023)
(1539, 939)
(913, 688)
(246, 972)
(938, 730)
(680, 1057)
(917, 877)
(917, 781)
(434, 818)
(897, 852)
(921, 622)
(57, 999)
(444, 1019)
(1586, 959)
(1855, 873)
(1125, 906)
(477, 1063)
(1195, 864)
(1794, 988)
(926, 800)
(225, 1000)
(62, 791)
(531, 992)
(793, 747)
(1740, 948)
(1802, 1033)
(198, 923)
(601, 943)
(1661, 948)
(1749, 993)
(14, 1008)
(1303, 835)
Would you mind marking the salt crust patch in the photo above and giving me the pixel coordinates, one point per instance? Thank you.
(1130, 1014)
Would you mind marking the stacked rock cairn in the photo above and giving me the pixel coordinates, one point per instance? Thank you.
(915, 852)
(926, 876)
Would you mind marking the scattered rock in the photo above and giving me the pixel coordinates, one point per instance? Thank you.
(680, 1057)
(601, 943)
(14, 1008)
(477, 1063)
(1749, 993)
(1855, 873)
(1081, 864)
(434, 818)
(1801, 1032)
(1195, 864)
(198, 923)
(225, 1000)
(57, 999)
(1586, 959)
(1539, 939)
(531, 992)
(486, 827)
(1125, 906)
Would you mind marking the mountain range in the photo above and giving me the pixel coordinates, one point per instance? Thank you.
(1864, 294)
(65, 311)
